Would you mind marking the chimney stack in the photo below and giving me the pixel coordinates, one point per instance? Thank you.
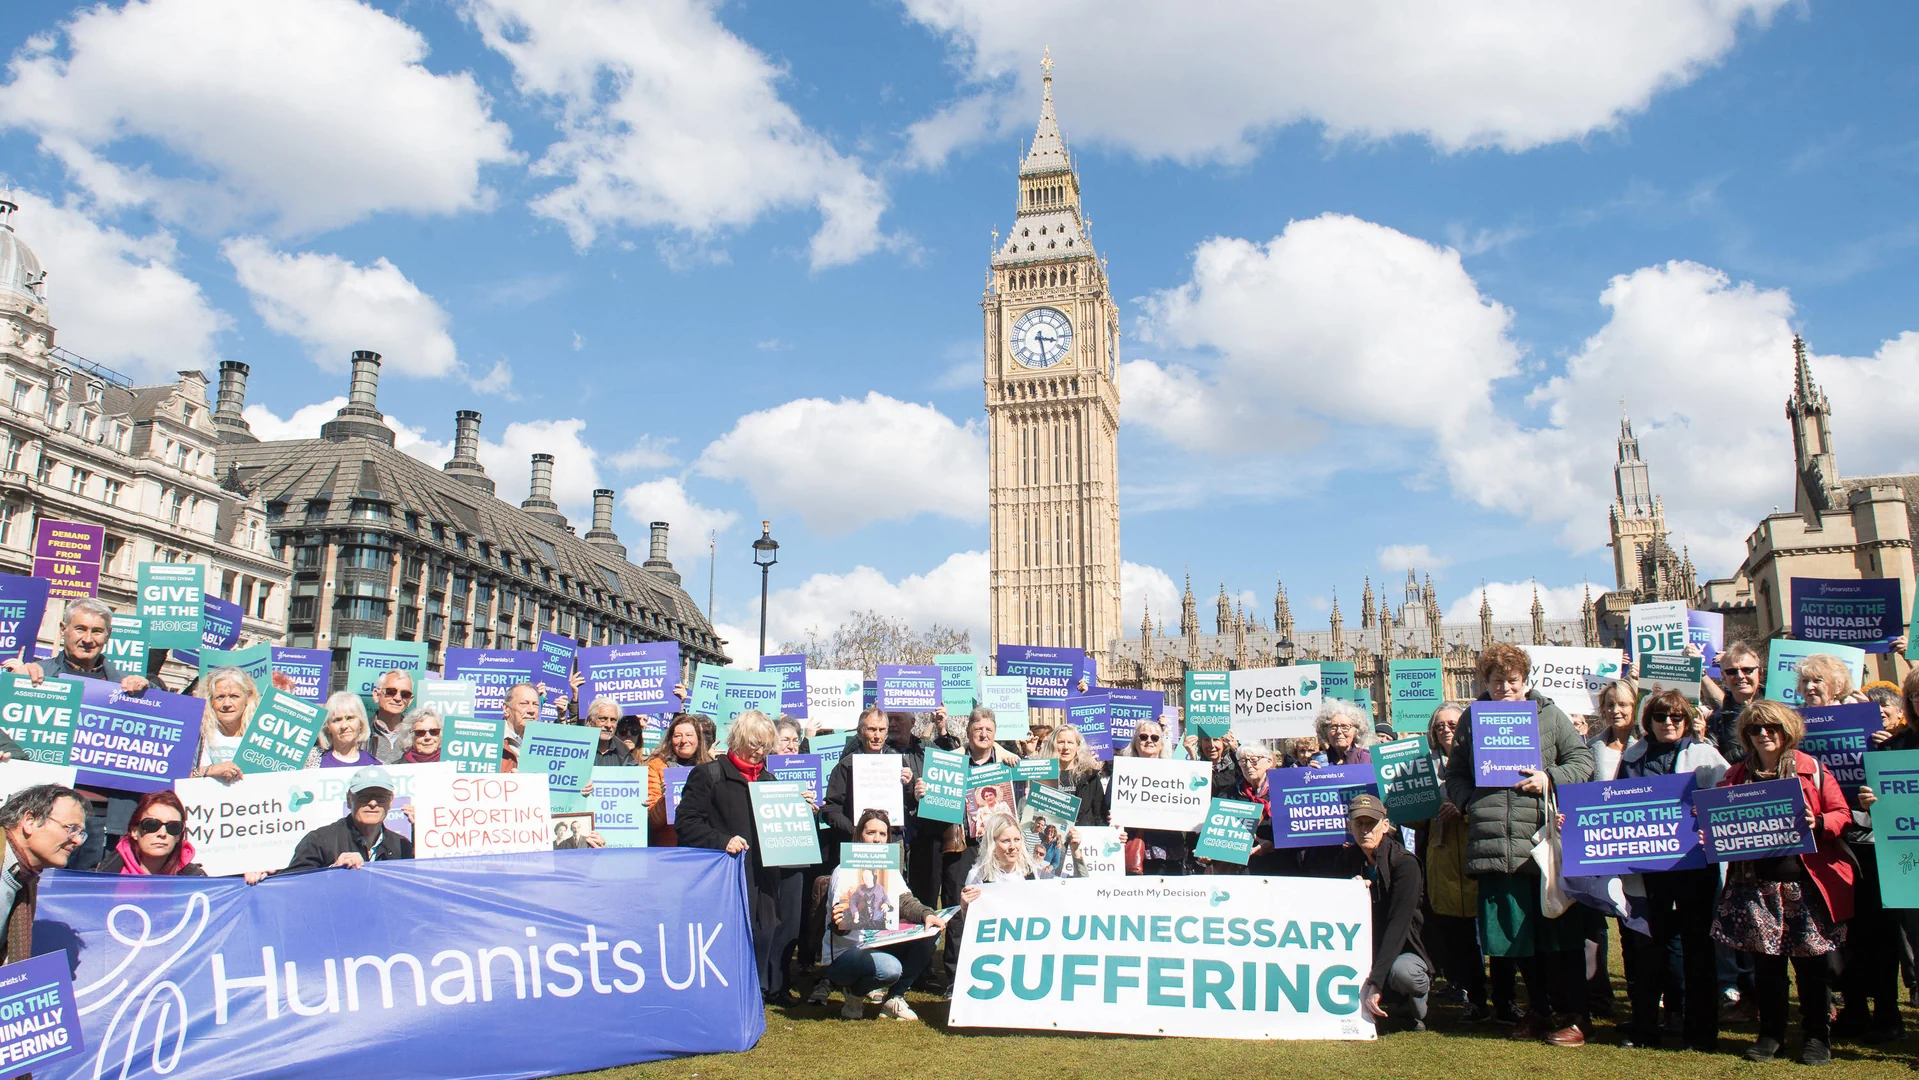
(360, 417)
(465, 466)
(602, 535)
(656, 559)
(539, 501)
(227, 420)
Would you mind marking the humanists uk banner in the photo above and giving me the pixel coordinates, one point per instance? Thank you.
(531, 965)
(1210, 957)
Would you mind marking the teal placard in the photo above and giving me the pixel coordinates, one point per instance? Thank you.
(255, 660)
(563, 753)
(1045, 768)
(1893, 775)
(1227, 835)
(1336, 680)
(1047, 808)
(990, 775)
(870, 856)
(959, 682)
(743, 691)
(1364, 699)
(945, 774)
(127, 646)
(1006, 696)
(1417, 687)
(1408, 780)
(707, 682)
(40, 718)
(787, 833)
(370, 658)
(282, 732)
(449, 699)
(172, 596)
(618, 802)
(1782, 666)
(1209, 704)
(472, 743)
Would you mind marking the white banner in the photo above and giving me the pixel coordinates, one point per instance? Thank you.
(876, 785)
(1160, 793)
(1098, 852)
(22, 773)
(1572, 677)
(255, 822)
(481, 814)
(1274, 703)
(1208, 957)
(833, 698)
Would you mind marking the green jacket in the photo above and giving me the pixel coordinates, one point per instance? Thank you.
(1501, 823)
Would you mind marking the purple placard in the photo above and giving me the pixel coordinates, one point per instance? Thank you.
(869, 693)
(1092, 714)
(1839, 736)
(38, 1013)
(1707, 630)
(792, 672)
(674, 778)
(133, 742)
(1052, 675)
(556, 672)
(492, 672)
(68, 554)
(1128, 707)
(1309, 805)
(1632, 826)
(804, 768)
(23, 604)
(640, 677)
(219, 628)
(909, 687)
(1754, 821)
(310, 669)
(1505, 738)
(1865, 613)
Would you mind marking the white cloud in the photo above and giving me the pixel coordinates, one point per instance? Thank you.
(841, 465)
(954, 594)
(647, 452)
(1142, 590)
(1197, 82)
(670, 121)
(1512, 601)
(303, 423)
(118, 299)
(666, 499)
(335, 306)
(1395, 558)
(316, 112)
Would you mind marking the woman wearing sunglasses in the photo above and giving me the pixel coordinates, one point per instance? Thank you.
(156, 841)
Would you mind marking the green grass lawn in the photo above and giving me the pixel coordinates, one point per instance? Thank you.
(812, 1042)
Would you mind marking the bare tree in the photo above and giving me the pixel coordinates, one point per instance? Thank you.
(868, 639)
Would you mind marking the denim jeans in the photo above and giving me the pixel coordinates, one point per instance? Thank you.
(895, 966)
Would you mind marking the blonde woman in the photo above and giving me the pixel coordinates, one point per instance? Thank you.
(343, 735)
(1078, 773)
(231, 699)
(1005, 858)
(1824, 680)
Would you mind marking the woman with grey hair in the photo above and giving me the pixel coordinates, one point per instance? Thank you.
(231, 698)
(1344, 735)
(343, 735)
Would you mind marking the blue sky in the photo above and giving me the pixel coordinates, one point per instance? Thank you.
(1385, 276)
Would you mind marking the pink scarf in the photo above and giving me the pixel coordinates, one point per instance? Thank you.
(130, 857)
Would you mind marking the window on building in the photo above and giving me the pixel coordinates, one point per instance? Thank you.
(364, 608)
(415, 566)
(10, 512)
(412, 521)
(173, 508)
(44, 474)
(22, 390)
(370, 510)
(302, 609)
(439, 533)
(316, 511)
(13, 448)
(309, 556)
(276, 511)
(110, 492)
(77, 480)
(359, 557)
(110, 552)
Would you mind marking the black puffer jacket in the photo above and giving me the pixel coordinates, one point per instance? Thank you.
(1500, 821)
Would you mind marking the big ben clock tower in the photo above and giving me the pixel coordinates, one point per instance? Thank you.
(1052, 412)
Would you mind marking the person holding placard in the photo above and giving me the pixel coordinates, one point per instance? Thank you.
(520, 708)
(686, 746)
(716, 812)
(1790, 909)
(604, 713)
(1679, 903)
(873, 735)
(893, 968)
(424, 732)
(1395, 885)
(1742, 680)
(1163, 853)
(1453, 922)
(156, 843)
(392, 697)
(1869, 979)
(231, 698)
(342, 735)
(361, 837)
(1251, 785)
(1345, 735)
(1615, 728)
(1222, 751)
(1079, 773)
(1501, 824)
(1824, 680)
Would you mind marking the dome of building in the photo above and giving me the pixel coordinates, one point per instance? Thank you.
(20, 273)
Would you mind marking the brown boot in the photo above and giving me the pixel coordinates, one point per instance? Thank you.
(1570, 1035)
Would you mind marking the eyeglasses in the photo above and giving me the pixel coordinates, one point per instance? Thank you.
(1747, 671)
(76, 833)
(1656, 717)
(403, 695)
(1770, 728)
(149, 825)
(1341, 727)
(422, 732)
(1147, 738)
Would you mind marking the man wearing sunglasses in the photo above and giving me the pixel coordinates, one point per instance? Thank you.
(1742, 674)
(361, 837)
(44, 825)
(392, 700)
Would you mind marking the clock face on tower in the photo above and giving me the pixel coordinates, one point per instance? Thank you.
(1041, 338)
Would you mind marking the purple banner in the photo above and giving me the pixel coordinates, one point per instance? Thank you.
(1092, 714)
(792, 673)
(1839, 736)
(1505, 738)
(1052, 675)
(556, 672)
(674, 779)
(1127, 708)
(23, 604)
(640, 677)
(1866, 614)
(68, 555)
(1707, 630)
(1630, 826)
(909, 687)
(1754, 821)
(219, 628)
(1309, 805)
(492, 672)
(311, 671)
(140, 742)
(39, 1015)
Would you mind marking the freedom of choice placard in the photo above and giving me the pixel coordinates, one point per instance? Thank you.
(959, 682)
(1417, 687)
(1505, 739)
(1894, 777)
(1160, 793)
(1633, 826)
(1275, 703)
(1783, 656)
(1754, 821)
(563, 753)
(791, 668)
(1309, 805)
(1006, 696)
(618, 802)
(371, 658)
(1092, 714)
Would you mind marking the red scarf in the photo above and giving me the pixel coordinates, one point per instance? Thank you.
(1263, 798)
(751, 772)
(414, 757)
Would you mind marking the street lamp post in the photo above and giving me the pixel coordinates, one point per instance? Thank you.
(766, 552)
